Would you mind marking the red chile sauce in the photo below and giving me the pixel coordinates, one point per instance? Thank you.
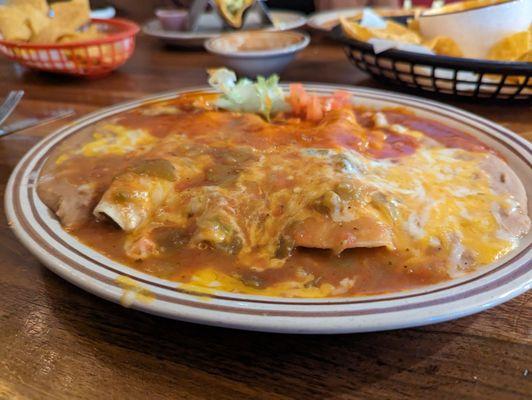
(375, 271)
(373, 142)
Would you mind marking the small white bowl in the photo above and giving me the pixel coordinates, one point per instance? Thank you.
(255, 53)
(476, 30)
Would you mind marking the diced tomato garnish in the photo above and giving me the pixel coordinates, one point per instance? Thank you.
(340, 99)
(298, 98)
(313, 107)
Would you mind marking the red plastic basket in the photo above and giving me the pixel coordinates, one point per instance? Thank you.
(86, 58)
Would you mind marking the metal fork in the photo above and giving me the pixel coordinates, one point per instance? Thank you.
(10, 103)
(33, 122)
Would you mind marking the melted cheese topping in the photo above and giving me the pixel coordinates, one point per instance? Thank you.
(116, 139)
(112, 139)
(438, 202)
(445, 202)
(212, 280)
(255, 198)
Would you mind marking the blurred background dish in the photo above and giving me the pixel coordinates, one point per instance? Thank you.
(96, 57)
(258, 52)
(437, 74)
(210, 25)
(62, 37)
(476, 48)
(501, 34)
(172, 19)
(476, 30)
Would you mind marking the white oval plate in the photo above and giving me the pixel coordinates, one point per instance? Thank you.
(210, 25)
(41, 233)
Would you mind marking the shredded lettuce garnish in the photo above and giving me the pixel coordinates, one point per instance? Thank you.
(263, 97)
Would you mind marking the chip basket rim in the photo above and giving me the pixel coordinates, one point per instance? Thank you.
(456, 63)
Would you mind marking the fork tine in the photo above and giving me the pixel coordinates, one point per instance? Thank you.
(13, 93)
(9, 104)
(7, 100)
(11, 97)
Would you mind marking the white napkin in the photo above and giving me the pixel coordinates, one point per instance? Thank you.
(370, 19)
(380, 45)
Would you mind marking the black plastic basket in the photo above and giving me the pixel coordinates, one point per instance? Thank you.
(452, 76)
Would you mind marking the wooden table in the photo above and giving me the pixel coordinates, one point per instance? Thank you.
(57, 341)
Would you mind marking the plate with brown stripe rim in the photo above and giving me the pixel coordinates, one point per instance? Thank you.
(41, 233)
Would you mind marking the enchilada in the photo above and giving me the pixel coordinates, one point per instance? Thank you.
(286, 194)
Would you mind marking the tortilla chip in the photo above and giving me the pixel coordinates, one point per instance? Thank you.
(401, 33)
(413, 24)
(71, 15)
(519, 80)
(89, 34)
(39, 5)
(13, 24)
(444, 46)
(354, 30)
(527, 57)
(50, 34)
(393, 31)
(35, 19)
(511, 47)
(28, 20)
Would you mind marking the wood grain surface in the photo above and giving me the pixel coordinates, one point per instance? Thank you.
(59, 342)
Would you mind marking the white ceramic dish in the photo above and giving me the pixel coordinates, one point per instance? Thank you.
(41, 233)
(258, 52)
(210, 25)
(477, 30)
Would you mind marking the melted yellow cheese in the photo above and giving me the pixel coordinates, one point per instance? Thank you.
(211, 281)
(441, 200)
(437, 202)
(112, 139)
(132, 291)
(445, 201)
(116, 139)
